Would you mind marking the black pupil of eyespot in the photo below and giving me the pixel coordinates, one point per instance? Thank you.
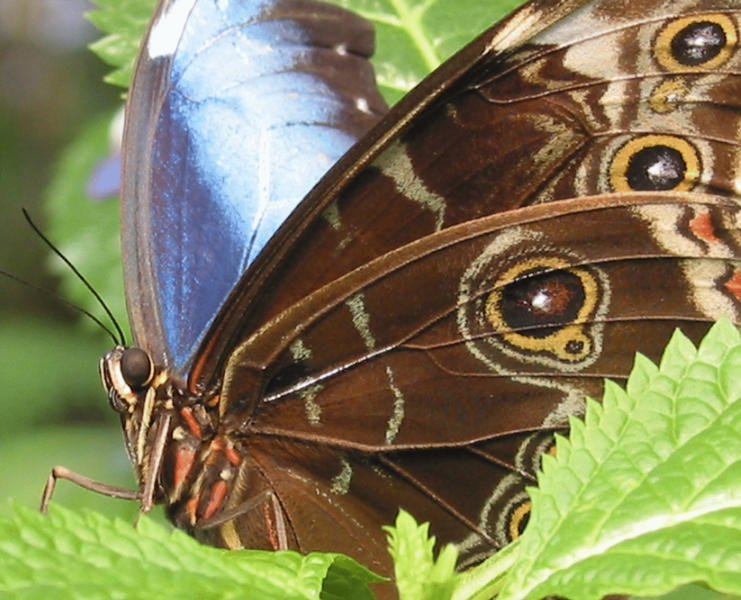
(574, 347)
(541, 299)
(656, 168)
(698, 43)
(136, 367)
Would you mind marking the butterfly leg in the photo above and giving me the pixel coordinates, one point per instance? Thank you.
(98, 487)
(272, 512)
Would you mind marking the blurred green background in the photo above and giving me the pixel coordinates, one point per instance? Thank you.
(52, 407)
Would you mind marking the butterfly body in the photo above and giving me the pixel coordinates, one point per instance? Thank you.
(559, 195)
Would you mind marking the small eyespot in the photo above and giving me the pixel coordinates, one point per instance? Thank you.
(136, 368)
(655, 163)
(698, 42)
(669, 95)
(518, 519)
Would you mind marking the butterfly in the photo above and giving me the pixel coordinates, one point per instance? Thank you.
(411, 330)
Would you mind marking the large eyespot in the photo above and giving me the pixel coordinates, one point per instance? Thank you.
(524, 305)
(542, 307)
(699, 42)
(655, 163)
(136, 368)
(541, 301)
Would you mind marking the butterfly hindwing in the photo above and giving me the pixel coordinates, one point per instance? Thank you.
(492, 307)
(417, 397)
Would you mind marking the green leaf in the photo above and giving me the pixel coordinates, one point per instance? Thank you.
(645, 496)
(413, 37)
(418, 575)
(347, 579)
(84, 555)
(125, 21)
(693, 592)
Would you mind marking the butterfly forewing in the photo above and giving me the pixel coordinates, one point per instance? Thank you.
(236, 110)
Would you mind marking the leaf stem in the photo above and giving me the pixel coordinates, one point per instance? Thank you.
(486, 580)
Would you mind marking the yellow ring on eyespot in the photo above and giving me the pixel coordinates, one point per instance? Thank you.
(663, 48)
(518, 514)
(621, 160)
(556, 343)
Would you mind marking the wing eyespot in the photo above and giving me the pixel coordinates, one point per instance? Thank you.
(655, 163)
(542, 305)
(697, 42)
(519, 515)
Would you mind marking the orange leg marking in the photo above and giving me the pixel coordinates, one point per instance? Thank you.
(270, 526)
(184, 458)
(220, 445)
(218, 493)
(232, 456)
(191, 422)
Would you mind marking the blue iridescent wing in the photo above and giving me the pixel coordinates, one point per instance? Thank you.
(238, 108)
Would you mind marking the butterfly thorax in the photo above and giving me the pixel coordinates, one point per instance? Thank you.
(172, 438)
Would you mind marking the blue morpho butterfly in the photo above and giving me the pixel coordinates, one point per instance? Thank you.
(410, 331)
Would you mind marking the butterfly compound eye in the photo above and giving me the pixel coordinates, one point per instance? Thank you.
(136, 367)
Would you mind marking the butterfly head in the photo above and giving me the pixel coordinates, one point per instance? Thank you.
(164, 429)
(141, 393)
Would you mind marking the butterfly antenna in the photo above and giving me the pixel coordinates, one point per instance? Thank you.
(58, 298)
(121, 337)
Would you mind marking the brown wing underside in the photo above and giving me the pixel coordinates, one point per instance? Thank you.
(453, 289)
